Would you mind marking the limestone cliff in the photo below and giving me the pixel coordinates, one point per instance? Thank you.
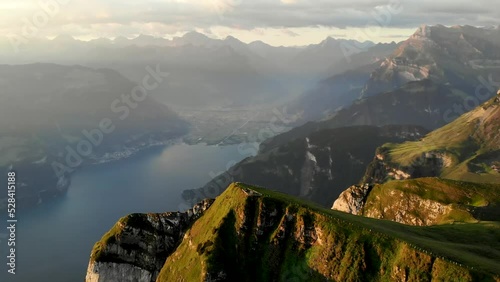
(137, 246)
(353, 199)
(423, 201)
(427, 164)
(254, 234)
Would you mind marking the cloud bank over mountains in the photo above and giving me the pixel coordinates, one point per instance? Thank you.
(281, 22)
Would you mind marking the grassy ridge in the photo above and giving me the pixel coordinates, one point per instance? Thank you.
(278, 237)
(420, 199)
(470, 144)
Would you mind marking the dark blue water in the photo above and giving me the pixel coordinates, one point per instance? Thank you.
(54, 240)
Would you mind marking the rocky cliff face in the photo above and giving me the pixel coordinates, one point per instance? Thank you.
(254, 234)
(428, 164)
(422, 202)
(410, 209)
(353, 199)
(136, 247)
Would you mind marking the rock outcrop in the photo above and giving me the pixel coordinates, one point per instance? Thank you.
(410, 209)
(135, 249)
(428, 164)
(268, 236)
(422, 201)
(253, 234)
(353, 199)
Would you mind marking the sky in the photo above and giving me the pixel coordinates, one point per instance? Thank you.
(277, 22)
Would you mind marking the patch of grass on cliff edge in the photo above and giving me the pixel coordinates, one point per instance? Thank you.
(108, 238)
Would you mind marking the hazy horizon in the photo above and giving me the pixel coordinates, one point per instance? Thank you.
(258, 140)
(277, 22)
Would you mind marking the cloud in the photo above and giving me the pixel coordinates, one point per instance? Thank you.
(128, 17)
(290, 33)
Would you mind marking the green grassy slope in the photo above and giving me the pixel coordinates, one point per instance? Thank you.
(275, 237)
(426, 201)
(470, 145)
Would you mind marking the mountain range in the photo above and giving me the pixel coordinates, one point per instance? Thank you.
(466, 149)
(254, 234)
(400, 226)
(55, 118)
(228, 72)
(460, 62)
(402, 139)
